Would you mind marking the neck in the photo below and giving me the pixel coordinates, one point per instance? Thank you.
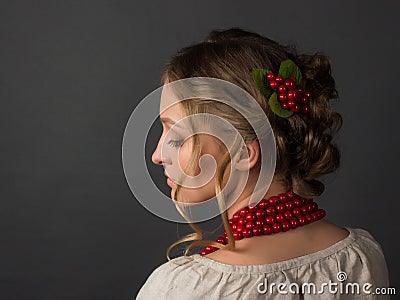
(277, 187)
(277, 213)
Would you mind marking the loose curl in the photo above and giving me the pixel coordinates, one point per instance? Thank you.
(305, 150)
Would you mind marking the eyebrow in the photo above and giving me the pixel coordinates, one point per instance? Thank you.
(172, 122)
(167, 120)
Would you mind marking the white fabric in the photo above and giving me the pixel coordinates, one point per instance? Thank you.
(197, 277)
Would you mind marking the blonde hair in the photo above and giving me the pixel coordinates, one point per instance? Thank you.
(305, 149)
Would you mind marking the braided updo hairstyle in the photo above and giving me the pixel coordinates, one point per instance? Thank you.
(305, 150)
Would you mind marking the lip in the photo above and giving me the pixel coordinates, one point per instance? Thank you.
(169, 180)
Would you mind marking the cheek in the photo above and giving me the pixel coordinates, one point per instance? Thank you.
(184, 154)
(183, 158)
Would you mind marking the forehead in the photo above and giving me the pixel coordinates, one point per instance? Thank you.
(172, 114)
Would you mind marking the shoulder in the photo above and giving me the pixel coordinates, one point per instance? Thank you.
(367, 246)
(365, 259)
(175, 277)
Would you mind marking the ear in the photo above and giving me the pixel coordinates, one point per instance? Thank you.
(246, 162)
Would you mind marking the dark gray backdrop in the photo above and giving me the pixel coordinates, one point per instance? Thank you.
(71, 72)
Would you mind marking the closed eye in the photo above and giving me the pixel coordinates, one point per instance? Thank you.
(175, 143)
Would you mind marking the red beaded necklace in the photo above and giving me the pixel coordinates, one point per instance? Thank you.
(278, 213)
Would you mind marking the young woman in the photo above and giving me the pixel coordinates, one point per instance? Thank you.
(273, 248)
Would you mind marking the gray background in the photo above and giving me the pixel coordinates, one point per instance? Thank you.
(71, 73)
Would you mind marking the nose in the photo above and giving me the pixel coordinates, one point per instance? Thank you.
(156, 156)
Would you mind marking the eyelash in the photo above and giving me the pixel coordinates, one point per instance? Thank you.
(175, 143)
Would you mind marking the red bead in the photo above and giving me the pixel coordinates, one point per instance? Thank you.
(221, 240)
(267, 229)
(294, 223)
(264, 203)
(240, 228)
(253, 208)
(285, 105)
(261, 222)
(243, 212)
(282, 97)
(282, 89)
(270, 211)
(285, 226)
(235, 217)
(226, 240)
(257, 230)
(291, 195)
(288, 215)
(247, 233)
(307, 95)
(305, 109)
(291, 95)
(234, 226)
(283, 197)
(202, 253)
(208, 248)
(304, 100)
(304, 209)
(295, 108)
(274, 200)
(279, 79)
(289, 205)
(300, 91)
(314, 206)
(250, 217)
(280, 218)
(237, 235)
(242, 221)
(261, 214)
(277, 227)
(321, 213)
(314, 215)
(297, 211)
(250, 225)
(270, 220)
(280, 207)
(297, 95)
(270, 76)
(309, 218)
(297, 202)
(290, 83)
(273, 84)
(302, 220)
(230, 222)
(291, 103)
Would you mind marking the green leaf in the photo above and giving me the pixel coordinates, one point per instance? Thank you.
(260, 77)
(289, 69)
(277, 108)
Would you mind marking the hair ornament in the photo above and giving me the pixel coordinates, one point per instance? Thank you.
(285, 90)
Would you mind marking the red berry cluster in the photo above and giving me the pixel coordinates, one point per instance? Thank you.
(291, 96)
(275, 214)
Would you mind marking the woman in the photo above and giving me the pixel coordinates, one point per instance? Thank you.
(274, 247)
